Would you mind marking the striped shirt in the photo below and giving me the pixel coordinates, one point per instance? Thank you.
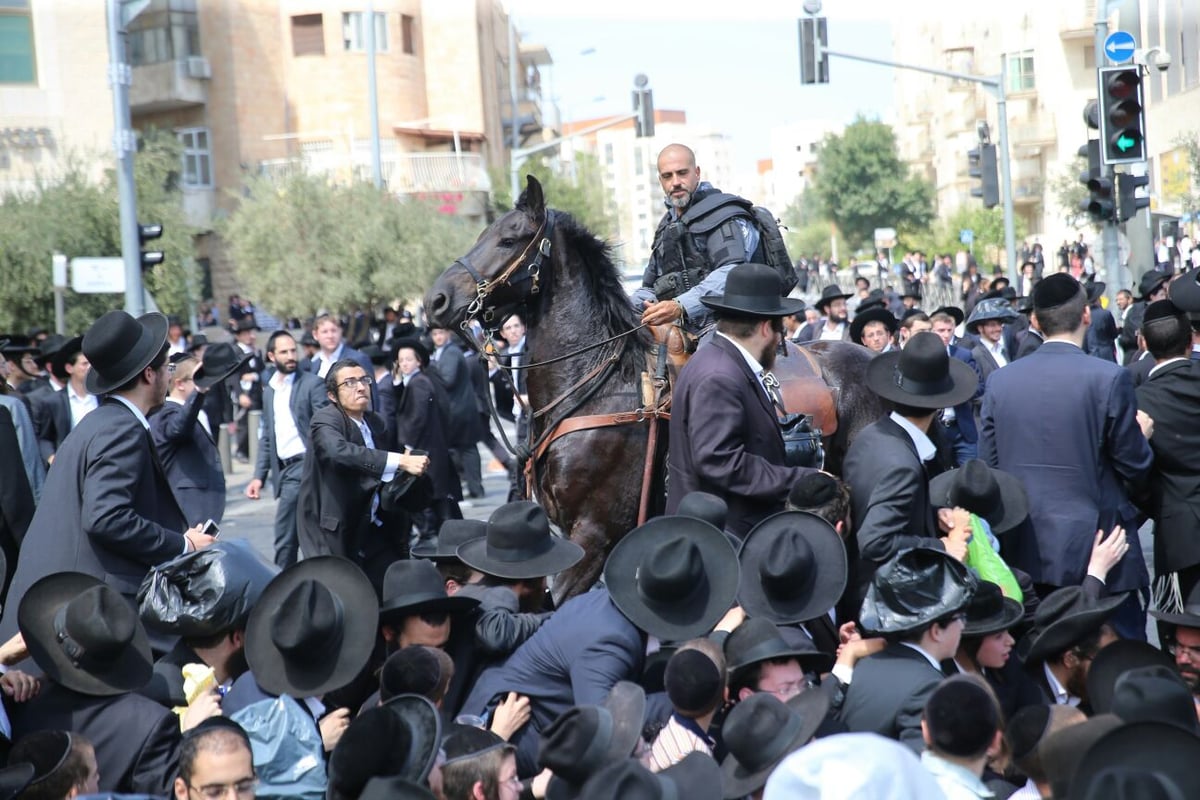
(678, 737)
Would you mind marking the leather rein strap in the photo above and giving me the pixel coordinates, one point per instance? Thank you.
(542, 240)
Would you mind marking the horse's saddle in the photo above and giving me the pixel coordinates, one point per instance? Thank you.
(801, 387)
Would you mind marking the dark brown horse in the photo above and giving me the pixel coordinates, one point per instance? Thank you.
(559, 276)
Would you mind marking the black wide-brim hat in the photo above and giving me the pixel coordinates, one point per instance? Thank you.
(758, 639)
(220, 361)
(753, 290)
(454, 532)
(1113, 661)
(1151, 281)
(1064, 617)
(673, 577)
(1095, 290)
(42, 618)
(922, 375)
(1159, 748)
(413, 343)
(991, 612)
(955, 312)
(787, 733)
(1188, 616)
(50, 345)
(873, 314)
(915, 588)
(14, 778)
(794, 568)
(119, 347)
(1184, 291)
(828, 295)
(413, 586)
(996, 308)
(519, 545)
(327, 668)
(400, 737)
(995, 495)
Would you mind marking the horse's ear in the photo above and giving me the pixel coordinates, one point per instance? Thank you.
(532, 201)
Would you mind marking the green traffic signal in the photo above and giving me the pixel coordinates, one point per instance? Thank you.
(1122, 114)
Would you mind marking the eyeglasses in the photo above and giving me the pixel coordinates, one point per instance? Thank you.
(171, 368)
(434, 618)
(218, 791)
(1192, 653)
(350, 383)
(790, 689)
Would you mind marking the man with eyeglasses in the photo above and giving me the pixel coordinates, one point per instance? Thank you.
(1181, 633)
(352, 457)
(216, 762)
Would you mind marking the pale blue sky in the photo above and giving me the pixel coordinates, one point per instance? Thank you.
(738, 76)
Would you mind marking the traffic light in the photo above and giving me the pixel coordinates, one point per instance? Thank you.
(1127, 200)
(1099, 204)
(148, 233)
(814, 61)
(982, 161)
(643, 106)
(1122, 115)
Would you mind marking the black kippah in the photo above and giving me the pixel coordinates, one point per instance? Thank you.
(1054, 290)
(410, 670)
(693, 682)
(1161, 309)
(961, 717)
(1026, 729)
(813, 491)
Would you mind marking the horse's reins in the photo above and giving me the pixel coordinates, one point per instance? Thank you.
(483, 288)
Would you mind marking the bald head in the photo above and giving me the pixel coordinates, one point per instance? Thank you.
(678, 174)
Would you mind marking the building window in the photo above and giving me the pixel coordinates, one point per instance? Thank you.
(608, 153)
(167, 30)
(197, 158)
(408, 37)
(308, 35)
(17, 62)
(354, 31)
(1020, 71)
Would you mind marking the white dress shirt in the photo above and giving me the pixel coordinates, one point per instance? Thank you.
(751, 361)
(328, 361)
(288, 443)
(1061, 696)
(926, 449)
(81, 406)
(997, 351)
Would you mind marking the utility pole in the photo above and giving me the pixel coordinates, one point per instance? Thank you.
(514, 184)
(1109, 245)
(120, 76)
(373, 98)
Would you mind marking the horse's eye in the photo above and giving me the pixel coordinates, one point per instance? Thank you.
(506, 242)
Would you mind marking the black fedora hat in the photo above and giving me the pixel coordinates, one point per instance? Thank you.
(60, 352)
(414, 344)
(996, 308)
(313, 628)
(873, 314)
(246, 324)
(913, 589)
(753, 290)
(581, 742)
(399, 738)
(519, 544)
(1064, 617)
(922, 375)
(49, 346)
(874, 299)
(793, 568)
(411, 586)
(84, 635)
(454, 532)
(119, 347)
(16, 344)
(758, 639)
(1095, 290)
(1188, 616)
(956, 313)
(1062, 751)
(1023, 304)
(396, 788)
(1112, 662)
(197, 341)
(220, 361)
(761, 731)
(989, 493)
(828, 295)
(1155, 747)
(990, 611)
(1151, 282)
(703, 505)
(14, 778)
(695, 777)
(1154, 693)
(673, 577)
(1185, 291)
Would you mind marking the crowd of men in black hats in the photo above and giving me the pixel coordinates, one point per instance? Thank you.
(961, 613)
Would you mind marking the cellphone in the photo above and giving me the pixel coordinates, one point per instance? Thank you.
(211, 529)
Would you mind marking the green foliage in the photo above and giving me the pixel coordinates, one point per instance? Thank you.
(305, 244)
(577, 188)
(987, 224)
(1069, 193)
(73, 214)
(861, 184)
(1184, 185)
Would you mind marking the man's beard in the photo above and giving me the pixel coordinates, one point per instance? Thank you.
(680, 202)
(1190, 676)
(285, 368)
(767, 358)
(1076, 682)
(837, 318)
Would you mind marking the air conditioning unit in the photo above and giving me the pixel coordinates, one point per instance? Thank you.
(199, 68)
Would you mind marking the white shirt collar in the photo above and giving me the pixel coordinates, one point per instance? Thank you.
(925, 448)
(1061, 696)
(137, 412)
(170, 399)
(1157, 367)
(755, 367)
(933, 662)
(279, 380)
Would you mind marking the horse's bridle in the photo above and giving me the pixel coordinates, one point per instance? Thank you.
(520, 270)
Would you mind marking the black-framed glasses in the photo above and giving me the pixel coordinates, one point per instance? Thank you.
(1175, 648)
(350, 383)
(219, 791)
(434, 618)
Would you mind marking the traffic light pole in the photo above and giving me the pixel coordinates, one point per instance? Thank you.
(996, 85)
(125, 144)
(1109, 245)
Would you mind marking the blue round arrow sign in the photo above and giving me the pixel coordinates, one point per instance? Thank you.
(1119, 47)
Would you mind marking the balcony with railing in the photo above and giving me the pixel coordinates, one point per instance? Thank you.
(169, 70)
(403, 173)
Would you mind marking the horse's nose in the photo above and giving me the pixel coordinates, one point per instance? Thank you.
(438, 304)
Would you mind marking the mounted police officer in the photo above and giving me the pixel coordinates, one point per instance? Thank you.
(688, 263)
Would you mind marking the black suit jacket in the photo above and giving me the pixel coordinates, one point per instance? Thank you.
(451, 365)
(137, 741)
(341, 476)
(51, 418)
(1139, 368)
(308, 394)
(1101, 336)
(191, 460)
(1171, 397)
(110, 511)
(725, 439)
(889, 496)
(16, 498)
(1030, 342)
(888, 694)
(420, 424)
